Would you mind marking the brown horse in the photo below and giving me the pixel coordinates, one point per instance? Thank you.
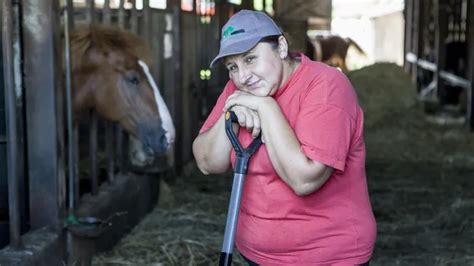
(109, 77)
(331, 50)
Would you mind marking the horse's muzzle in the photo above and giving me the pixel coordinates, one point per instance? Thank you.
(153, 137)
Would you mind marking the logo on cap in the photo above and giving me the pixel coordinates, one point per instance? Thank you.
(231, 31)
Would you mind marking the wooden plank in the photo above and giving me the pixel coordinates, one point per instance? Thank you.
(146, 22)
(415, 38)
(106, 16)
(440, 47)
(134, 17)
(177, 55)
(470, 94)
(408, 30)
(90, 9)
(121, 14)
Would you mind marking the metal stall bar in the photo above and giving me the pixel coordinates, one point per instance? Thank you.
(12, 148)
(93, 120)
(109, 126)
(42, 81)
(69, 118)
(109, 149)
(94, 124)
(470, 94)
(119, 135)
(75, 146)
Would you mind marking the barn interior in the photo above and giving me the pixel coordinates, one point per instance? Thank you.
(75, 191)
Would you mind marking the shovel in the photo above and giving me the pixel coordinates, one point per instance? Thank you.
(240, 170)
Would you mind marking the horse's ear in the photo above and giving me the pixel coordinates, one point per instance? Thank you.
(96, 55)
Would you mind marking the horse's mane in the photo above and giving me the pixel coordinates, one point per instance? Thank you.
(105, 39)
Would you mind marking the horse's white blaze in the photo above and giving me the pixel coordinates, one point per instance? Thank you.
(162, 108)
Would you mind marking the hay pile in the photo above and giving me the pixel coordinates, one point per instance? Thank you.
(419, 173)
(186, 227)
(384, 89)
(396, 128)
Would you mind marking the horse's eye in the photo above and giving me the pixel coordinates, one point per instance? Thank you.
(132, 78)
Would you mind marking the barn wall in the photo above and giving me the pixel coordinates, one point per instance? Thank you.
(388, 45)
(190, 82)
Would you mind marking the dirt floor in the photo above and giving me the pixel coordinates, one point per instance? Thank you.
(420, 171)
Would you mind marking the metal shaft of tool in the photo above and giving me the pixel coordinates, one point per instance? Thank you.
(233, 213)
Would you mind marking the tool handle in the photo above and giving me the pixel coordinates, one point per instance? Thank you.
(242, 159)
(231, 117)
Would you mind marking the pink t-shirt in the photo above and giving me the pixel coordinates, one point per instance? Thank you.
(335, 224)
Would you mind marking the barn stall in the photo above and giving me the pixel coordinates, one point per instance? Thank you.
(419, 165)
(70, 189)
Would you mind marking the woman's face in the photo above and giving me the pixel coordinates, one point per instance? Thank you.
(258, 71)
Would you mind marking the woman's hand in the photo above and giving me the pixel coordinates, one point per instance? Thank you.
(246, 107)
(248, 118)
(240, 98)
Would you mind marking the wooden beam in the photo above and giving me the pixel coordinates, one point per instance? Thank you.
(440, 46)
(470, 94)
(415, 38)
(408, 30)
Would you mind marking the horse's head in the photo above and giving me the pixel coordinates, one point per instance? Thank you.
(109, 79)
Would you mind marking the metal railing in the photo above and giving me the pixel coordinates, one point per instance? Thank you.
(450, 78)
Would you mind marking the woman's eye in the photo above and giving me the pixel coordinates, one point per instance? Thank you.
(232, 68)
(249, 59)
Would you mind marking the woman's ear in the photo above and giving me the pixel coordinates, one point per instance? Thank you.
(282, 47)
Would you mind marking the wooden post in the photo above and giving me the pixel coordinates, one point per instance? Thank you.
(90, 7)
(121, 14)
(470, 94)
(408, 31)
(146, 22)
(440, 47)
(177, 118)
(106, 18)
(134, 17)
(42, 82)
(415, 38)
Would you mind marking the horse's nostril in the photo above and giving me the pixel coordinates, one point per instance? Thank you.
(149, 151)
(154, 138)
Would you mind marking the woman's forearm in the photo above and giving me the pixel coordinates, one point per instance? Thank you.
(211, 149)
(302, 174)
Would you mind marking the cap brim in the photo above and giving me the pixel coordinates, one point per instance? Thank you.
(236, 48)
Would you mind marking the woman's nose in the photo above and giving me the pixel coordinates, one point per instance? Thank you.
(244, 75)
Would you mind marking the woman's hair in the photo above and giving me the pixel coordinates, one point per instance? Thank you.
(273, 41)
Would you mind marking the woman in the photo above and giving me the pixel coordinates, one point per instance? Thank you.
(305, 200)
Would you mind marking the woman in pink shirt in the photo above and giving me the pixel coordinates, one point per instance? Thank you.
(305, 199)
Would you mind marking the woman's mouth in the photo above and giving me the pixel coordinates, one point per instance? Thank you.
(253, 85)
